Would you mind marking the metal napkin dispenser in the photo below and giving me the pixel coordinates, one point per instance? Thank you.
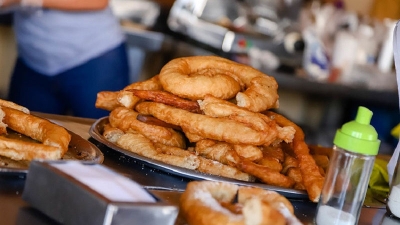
(72, 192)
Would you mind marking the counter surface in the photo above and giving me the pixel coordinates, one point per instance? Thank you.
(13, 210)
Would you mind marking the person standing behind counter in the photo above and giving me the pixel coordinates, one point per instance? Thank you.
(68, 51)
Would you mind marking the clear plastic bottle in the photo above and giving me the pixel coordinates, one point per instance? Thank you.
(355, 146)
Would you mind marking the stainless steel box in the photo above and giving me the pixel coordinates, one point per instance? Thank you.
(67, 200)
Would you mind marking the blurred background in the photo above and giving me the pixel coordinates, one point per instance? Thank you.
(328, 56)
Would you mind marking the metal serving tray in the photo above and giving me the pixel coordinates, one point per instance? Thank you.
(96, 131)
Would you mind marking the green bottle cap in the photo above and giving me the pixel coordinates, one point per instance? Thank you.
(358, 135)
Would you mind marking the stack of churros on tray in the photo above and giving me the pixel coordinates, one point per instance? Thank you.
(213, 115)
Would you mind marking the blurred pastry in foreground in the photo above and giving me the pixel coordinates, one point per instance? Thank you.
(209, 202)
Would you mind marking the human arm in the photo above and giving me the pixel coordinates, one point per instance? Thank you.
(75, 5)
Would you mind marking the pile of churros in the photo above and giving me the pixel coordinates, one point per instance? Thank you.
(47, 140)
(215, 116)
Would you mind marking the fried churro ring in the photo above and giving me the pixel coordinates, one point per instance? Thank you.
(218, 151)
(154, 121)
(112, 134)
(107, 100)
(53, 138)
(220, 129)
(208, 202)
(273, 198)
(206, 165)
(167, 98)
(266, 174)
(139, 144)
(127, 99)
(22, 150)
(126, 120)
(289, 162)
(312, 178)
(249, 152)
(197, 76)
(275, 152)
(270, 162)
(215, 107)
(212, 167)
